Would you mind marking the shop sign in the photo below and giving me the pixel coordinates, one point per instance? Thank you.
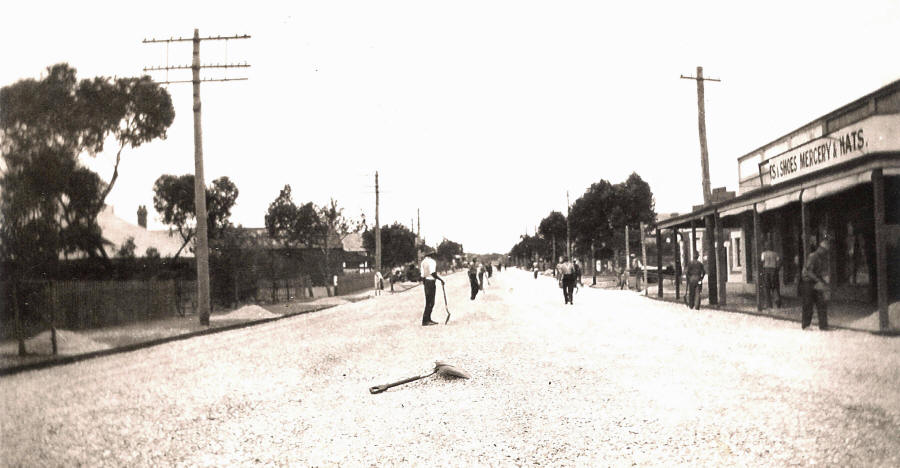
(875, 134)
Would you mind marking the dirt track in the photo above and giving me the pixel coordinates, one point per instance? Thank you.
(615, 379)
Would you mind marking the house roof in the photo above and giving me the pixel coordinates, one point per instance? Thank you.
(117, 231)
(354, 242)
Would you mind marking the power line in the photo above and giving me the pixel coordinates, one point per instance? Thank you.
(203, 80)
(185, 39)
(188, 67)
(201, 250)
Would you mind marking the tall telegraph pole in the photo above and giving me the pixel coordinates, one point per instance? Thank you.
(418, 236)
(201, 251)
(377, 228)
(709, 221)
(568, 235)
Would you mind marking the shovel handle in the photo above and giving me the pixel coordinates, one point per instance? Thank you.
(381, 388)
(446, 307)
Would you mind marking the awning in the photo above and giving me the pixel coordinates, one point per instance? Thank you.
(835, 186)
(891, 171)
(735, 211)
(778, 202)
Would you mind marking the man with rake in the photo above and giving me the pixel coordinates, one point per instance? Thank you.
(429, 276)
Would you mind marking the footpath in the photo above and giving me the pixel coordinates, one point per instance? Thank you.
(846, 315)
(77, 345)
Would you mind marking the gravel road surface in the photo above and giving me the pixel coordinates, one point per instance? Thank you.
(616, 379)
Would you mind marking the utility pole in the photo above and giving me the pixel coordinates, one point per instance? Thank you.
(377, 229)
(418, 236)
(701, 122)
(644, 258)
(568, 235)
(627, 257)
(201, 251)
(709, 237)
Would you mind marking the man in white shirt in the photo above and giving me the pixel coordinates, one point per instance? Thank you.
(429, 275)
(566, 272)
(771, 262)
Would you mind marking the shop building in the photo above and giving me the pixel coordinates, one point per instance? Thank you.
(837, 177)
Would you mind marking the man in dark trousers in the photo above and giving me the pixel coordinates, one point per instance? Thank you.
(429, 276)
(473, 278)
(566, 272)
(694, 272)
(578, 272)
(771, 263)
(813, 286)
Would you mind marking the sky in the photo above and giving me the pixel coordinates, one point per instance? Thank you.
(478, 115)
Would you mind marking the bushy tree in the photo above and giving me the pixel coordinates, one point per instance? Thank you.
(530, 247)
(448, 249)
(590, 217)
(126, 250)
(173, 199)
(553, 230)
(294, 226)
(335, 227)
(398, 244)
(46, 124)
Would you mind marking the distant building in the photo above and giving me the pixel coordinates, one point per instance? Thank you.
(117, 231)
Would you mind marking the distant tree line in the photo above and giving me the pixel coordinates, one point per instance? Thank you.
(596, 219)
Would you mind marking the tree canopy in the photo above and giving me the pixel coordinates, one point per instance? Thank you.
(50, 201)
(448, 249)
(292, 225)
(553, 229)
(598, 217)
(398, 244)
(174, 200)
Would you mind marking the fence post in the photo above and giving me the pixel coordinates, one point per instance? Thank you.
(52, 318)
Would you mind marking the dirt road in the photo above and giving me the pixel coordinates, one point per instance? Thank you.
(615, 379)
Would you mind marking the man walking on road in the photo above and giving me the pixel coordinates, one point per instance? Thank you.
(567, 278)
(473, 277)
(578, 273)
(694, 272)
(771, 263)
(429, 276)
(481, 272)
(813, 286)
(639, 271)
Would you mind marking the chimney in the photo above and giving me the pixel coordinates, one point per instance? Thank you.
(142, 216)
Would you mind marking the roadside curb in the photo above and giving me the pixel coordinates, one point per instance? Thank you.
(62, 360)
(52, 362)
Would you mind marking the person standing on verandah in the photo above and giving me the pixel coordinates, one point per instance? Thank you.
(694, 272)
(771, 263)
(814, 286)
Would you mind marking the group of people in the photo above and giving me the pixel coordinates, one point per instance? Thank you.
(625, 273)
(478, 273)
(813, 287)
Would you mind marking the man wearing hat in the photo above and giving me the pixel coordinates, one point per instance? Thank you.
(429, 275)
(566, 272)
(473, 278)
(694, 271)
(813, 286)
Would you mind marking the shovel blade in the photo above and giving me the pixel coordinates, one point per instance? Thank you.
(446, 370)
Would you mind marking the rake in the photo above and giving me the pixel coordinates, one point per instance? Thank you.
(440, 368)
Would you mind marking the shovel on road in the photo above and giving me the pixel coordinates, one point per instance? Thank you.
(440, 367)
